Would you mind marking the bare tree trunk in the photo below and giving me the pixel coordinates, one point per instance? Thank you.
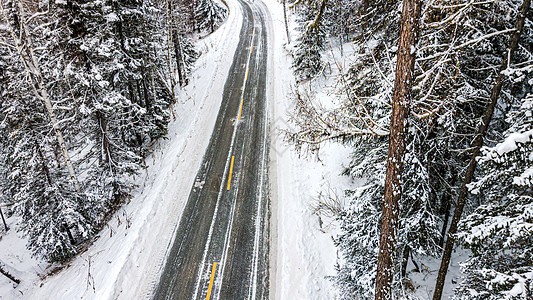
(478, 143)
(102, 122)
(44, 165)
(400, 110)
(405, 259)
(33, 70)
(3, 219)
(170, 25)
(179, 58)
(286, 21)
(446, 207)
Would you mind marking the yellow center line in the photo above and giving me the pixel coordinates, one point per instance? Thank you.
(229, 177)
(240, 109)
(230, 171)
(245, 79)
(211, 281)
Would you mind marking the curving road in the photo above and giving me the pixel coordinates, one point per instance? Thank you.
(224, 227)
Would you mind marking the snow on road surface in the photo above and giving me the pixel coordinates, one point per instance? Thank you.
(124, 263)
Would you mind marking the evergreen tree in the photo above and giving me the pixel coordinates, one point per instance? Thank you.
(307, 54)
(500, 231)
(101, 65)
(39, 176)
(208, 15)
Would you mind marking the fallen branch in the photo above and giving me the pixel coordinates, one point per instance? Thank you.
(7, 274)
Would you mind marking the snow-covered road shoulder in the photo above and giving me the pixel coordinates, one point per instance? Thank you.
(302, 253)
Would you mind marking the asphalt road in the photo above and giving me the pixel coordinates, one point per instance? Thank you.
(226, 218)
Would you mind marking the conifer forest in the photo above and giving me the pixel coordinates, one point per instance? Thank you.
(86, 88)
(436, 105)
(432, 101)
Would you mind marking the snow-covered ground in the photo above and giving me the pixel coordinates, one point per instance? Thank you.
(424, 281)
(125, 261)
(16, 260)
(303, 253)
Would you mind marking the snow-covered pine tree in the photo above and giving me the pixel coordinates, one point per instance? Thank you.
(139, 33)
(39, 176)
(114, 54)
(180, 50)
(208, 15)
(307, 54)
(500, 231)
(189, 55)
(338, 17)
(311, 41)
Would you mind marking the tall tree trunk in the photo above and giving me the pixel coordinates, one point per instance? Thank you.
(102, 122)
(478, 143)
(4, 220)
(400, 110)
(142, 100)
(286, 21)
(146, 94)
(179, 57)
(44, 166)
(170, 26)
(405, 259)
(32, 67)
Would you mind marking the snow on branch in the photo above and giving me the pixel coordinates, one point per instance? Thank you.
(316, 126)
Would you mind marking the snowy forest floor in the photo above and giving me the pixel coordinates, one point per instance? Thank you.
(302, 241)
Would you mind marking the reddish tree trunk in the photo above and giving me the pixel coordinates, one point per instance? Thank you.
(400, 110)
